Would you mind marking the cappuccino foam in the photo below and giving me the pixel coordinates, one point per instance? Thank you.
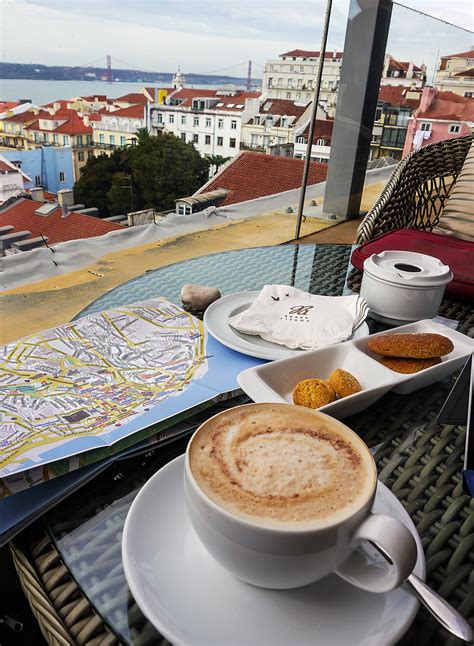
(282, 465)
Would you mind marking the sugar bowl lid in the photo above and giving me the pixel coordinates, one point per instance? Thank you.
(408, 268)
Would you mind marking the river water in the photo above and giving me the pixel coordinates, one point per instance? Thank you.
(41, 92)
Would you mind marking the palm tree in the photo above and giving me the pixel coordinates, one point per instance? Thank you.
(141, 136)
(216, 161)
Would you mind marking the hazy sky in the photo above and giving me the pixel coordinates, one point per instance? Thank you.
(209, 35)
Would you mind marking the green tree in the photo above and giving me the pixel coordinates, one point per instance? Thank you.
(165, 168)
(120, 194)
(95, 181)
(161, 169)
(216, 161)
(141, 136)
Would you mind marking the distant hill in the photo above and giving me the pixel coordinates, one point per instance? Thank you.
(66, 73)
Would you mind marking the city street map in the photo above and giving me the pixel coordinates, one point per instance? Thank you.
(97, 380)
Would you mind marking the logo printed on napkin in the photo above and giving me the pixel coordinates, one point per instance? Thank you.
(296, 319)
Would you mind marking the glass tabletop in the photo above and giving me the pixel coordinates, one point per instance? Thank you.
(419, 460)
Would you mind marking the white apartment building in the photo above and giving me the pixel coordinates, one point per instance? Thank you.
(293, 76)
(276, 123)
(456, 74)
(321, 147)
(210, 119)
(116, 129)
(404, 73)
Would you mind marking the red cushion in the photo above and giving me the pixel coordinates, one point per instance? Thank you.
(457, 254)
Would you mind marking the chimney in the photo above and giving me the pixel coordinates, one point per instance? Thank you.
(56, 106)
(85, 120)
(37, 194)
(427, 98)
(410, 70)
(65, 200)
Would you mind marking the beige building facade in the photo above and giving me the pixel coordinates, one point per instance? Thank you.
(293, 76)
(456, 74)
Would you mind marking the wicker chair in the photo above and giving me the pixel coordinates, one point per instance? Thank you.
(418, 189)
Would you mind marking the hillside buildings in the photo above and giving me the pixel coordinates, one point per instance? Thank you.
(293, 75)
(402, 73)
(441, 115)
(209, 119)
(277, 122)
(115, 129)
(395, 106)
(456, 74)
(50, 167)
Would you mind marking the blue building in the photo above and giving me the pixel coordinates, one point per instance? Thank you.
(49, 166)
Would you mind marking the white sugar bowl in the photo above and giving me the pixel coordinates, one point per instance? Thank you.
(403, 286)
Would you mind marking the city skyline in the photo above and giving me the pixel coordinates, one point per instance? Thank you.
(144, 36)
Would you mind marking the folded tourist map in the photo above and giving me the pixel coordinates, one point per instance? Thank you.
(79, 392)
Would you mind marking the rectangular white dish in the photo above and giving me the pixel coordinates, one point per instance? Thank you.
(275, 381)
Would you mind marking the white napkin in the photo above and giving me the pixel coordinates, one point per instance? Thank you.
(291, 317)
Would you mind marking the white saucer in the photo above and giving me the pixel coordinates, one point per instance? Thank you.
(191, 599)
(219, 312)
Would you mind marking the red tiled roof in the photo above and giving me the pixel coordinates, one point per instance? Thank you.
(469, 54)
(396, 95)
(306, 53)
(6, 168)
(186, 96)
(402, 65)
(283, 108)
(448, 106)
(93, 97)
(22, 216)
(251, 175)
(133, 97)
(23, 117)
(469, 73)
(322, 130)
(136, 111)
(62, 102)
(8, 105)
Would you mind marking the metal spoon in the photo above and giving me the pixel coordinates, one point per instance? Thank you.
(444, 612)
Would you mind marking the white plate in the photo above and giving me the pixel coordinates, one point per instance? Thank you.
(191, 599)
(275, 382)
(219, 312)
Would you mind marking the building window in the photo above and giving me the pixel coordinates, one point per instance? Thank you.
(88, 140)
(233, 124)
(280, 83)
(45, 137)
(61, 177)
(195, 139)
(257, 120)
(454, 128)
(300, 140)
(101, 139)
(292, 68)
(378, 114)
(184, 209)
(300, 83)
(290, 83)
(183, 119)
(79, 140)
(171, 119)
(65, 140)
(122, 141)
(80, 156)
(220, 141)
(36, 137)
(90, 154)
(56, 139)
(288, 95)
(207, 140)
(183, 136)
(320, 142)
(426, 127)
(196, 121)
(112, 140)
(270, 82)
(208, 122)
(232, 143)
(220, 123)
(469, 95)
(37, 180)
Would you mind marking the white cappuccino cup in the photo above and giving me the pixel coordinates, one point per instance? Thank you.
(281, 496)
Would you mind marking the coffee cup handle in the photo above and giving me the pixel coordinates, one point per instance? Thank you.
(399, 550)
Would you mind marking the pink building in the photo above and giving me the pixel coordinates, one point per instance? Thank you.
(441, 115)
